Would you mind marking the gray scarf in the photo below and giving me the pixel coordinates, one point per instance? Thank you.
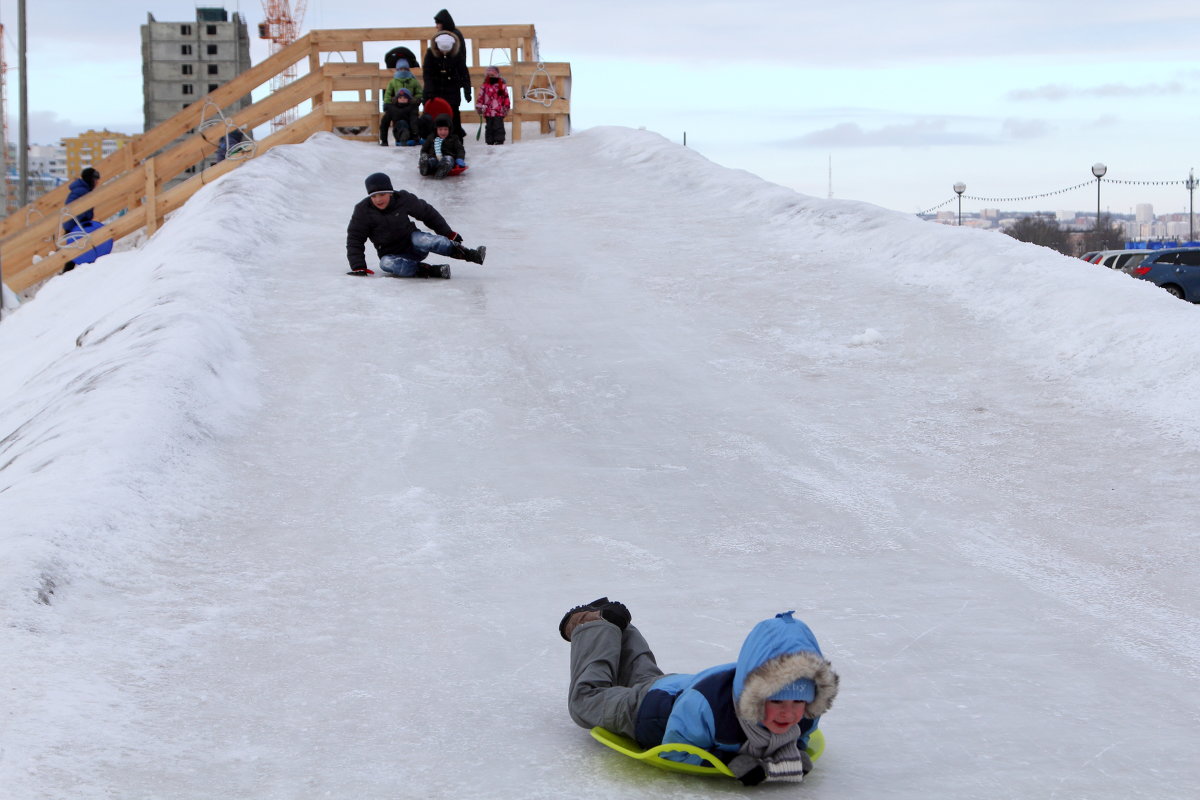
(777, 753)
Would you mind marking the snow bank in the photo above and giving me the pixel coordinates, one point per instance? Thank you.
(1110, 340)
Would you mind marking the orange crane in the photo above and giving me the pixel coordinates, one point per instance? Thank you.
(282, 27)
(7, 199)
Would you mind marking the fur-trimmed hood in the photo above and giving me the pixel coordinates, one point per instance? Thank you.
(777, 652)
(435, 52)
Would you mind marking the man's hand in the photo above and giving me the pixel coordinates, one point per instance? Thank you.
(467, 94)
(454, 237)
(364, 272)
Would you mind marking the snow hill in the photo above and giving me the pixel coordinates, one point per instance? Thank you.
(269, 531)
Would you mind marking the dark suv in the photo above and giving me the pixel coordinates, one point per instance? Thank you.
(1176, 269)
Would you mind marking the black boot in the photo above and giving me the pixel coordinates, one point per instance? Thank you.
(467, 254)
(433, 271)
(608, 610)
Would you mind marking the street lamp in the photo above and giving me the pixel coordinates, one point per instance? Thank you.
(959, 188)
(1098, 170)
(1191, 187)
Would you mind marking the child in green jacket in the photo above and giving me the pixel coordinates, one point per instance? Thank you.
(393, 115)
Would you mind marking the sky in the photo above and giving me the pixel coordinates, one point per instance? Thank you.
(274, 532)
(890, 103)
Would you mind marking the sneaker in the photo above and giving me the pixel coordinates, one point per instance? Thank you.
(601, 608)
(411, 142)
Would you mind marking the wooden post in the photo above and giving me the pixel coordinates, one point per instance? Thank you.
(151, 198)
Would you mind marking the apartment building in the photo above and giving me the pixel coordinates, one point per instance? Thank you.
(90, 148)
(184, 61)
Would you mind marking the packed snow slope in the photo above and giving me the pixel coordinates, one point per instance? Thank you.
(269, 531)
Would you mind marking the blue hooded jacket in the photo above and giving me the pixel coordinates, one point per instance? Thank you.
(703, 709)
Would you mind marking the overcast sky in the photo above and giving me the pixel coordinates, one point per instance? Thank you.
(901, 99)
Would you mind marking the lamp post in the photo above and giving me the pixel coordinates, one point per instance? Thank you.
(1191, 187)
(1098, 170)
(959, 188)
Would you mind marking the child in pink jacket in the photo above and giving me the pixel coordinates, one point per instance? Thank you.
(493, 103)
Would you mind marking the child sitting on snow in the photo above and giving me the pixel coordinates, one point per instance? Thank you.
(442, 152)
(492, 103)
(403, 113)
(755, 715)
(402, 78)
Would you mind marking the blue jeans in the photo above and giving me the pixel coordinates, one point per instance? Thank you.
(423, 244)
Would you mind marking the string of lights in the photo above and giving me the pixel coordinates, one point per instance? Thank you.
(1024, 198)
(935, 208)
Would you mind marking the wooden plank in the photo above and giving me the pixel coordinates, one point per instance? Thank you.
(151, 201)
(167, 202)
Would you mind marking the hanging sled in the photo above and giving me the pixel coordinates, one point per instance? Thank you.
(233, 141)
(711, 766)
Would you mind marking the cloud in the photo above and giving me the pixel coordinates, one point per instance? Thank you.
(921, 133)
(1025, 128)
(47, 127)
(1054, 92)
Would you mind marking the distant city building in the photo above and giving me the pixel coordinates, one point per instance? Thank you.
(48, 160)
(47, 171)
(90, 148)
(1143, 212)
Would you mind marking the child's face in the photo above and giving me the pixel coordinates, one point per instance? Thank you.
(443, 132)
(402, 99)
(779, 715)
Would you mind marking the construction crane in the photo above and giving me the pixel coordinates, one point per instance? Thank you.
(7, 198)
(282, 27)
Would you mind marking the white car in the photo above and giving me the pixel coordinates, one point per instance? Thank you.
(1123, 260)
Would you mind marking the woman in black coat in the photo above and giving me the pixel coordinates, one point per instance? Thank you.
(445, 71)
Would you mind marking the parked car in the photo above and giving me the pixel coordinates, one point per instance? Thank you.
(1123, 259)
(1176, 269)
(1096, 256)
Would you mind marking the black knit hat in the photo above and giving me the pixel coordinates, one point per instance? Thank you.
(378, 182)
(441, 121)
(90, 176)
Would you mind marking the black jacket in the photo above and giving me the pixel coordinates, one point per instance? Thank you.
(391, 229)
(451, 146)
(445, 74)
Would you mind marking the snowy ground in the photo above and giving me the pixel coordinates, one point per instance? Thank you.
(268, 531)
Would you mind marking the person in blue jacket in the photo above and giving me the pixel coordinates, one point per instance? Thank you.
(86, 181)
(755, 715)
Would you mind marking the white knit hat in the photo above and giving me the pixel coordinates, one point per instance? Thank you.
(445, 42)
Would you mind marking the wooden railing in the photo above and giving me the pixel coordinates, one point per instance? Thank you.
(142, 179)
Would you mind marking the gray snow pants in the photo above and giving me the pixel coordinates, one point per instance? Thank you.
(611, 672)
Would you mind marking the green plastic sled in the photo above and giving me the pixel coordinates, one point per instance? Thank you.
(711, 766)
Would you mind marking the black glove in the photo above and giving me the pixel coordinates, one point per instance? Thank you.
(754, 777)
(467, 94)
(747, 769)
(454, 237)
(363, 272)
